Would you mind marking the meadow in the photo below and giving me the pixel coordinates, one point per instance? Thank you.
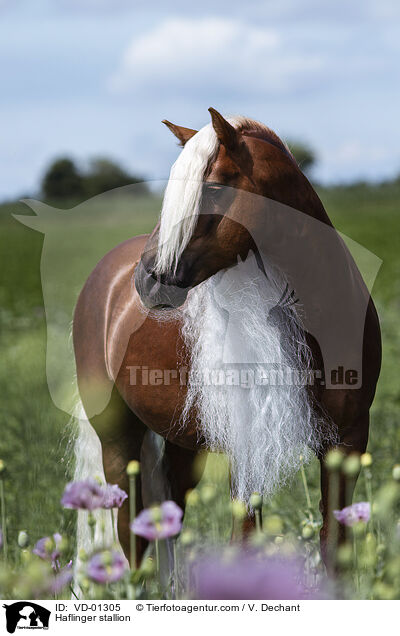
(34, 428)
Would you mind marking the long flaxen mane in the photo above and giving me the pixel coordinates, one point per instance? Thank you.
(266, 424)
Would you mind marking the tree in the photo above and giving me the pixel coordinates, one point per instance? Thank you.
(304, 155)
(104, 174)
(62, 181)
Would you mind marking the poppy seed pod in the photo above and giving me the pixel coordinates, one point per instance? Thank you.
(352, 465)
(239, 509)
(256, 501)
(133, 468)
(187, 538)
(23, 539)
(396, 472)
(334, 459)
(307, 532)
(147, 568)
(366, 460)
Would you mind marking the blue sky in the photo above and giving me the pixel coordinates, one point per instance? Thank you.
(95, 77)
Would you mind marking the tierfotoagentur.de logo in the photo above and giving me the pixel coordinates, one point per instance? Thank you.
(26, 615)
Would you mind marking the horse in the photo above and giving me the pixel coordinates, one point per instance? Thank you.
(243, 274)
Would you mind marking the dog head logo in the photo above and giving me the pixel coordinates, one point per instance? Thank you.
(26, 615)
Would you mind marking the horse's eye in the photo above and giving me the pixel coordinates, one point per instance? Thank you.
(211, 193)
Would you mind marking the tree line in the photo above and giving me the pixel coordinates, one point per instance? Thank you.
(64, 180)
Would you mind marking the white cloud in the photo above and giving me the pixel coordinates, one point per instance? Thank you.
(191, 54)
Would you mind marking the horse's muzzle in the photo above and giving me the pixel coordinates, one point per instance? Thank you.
(157, 295)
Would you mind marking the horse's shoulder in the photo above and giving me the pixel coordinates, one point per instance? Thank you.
(106, 307)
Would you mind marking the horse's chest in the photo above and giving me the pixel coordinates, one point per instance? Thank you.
(152, 380)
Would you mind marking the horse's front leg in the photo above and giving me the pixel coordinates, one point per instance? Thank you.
(121, 435)
(337, 490)
(117, 453)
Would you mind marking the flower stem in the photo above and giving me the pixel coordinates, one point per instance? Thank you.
(3, 519)
(132, 514)
(357, 574)
(257, 513)
(72, 592)
(176, 576)
(92, 525)
(333, 525)
(368, 490)
(157, 547)
(55, 579)
(306, 490)
(113, 515)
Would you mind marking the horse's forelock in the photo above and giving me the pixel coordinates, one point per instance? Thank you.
(182, 197)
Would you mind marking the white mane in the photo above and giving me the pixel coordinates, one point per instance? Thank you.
(250, 394)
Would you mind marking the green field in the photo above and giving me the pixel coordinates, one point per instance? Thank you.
(34, 432)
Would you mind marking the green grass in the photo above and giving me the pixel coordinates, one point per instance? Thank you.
(35, 431)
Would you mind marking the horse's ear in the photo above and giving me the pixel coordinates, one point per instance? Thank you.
(182, 133)
(226, 133)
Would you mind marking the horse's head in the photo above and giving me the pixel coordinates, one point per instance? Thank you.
(214, 205)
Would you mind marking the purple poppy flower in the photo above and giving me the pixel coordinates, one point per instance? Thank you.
(248, 576)
(62, 579)
(351, 515)
(106, 566)
(114, 496)
(158, 523)
(48, 549)
(87, 495)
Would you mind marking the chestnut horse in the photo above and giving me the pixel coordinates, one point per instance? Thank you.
(244, 267)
